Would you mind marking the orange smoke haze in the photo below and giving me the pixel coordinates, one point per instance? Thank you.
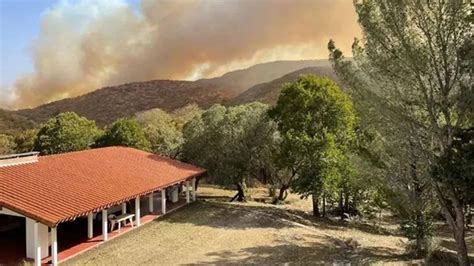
(88, 45)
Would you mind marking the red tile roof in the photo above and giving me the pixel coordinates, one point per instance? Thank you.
(61, 187)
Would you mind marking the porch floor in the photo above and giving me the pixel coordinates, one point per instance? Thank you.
(70, 251)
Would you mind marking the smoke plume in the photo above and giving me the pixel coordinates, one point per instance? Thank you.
(86, 45)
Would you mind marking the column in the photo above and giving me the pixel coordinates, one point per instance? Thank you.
(150, 202)
(163, 201)
(137, 211)
(105, 233)
(194, 188)
(37, 244)
(54, 246)
(187, 191)
(90, 225)
(124, 208)
(42, 235)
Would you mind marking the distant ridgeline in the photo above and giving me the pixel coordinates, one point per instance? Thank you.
(261, 82)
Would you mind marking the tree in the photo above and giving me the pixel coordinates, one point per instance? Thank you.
(417, 53)
(231, 143)
(389, 152)
(7, 146)
(25, 140)
(316, 122)
(66, 132)
(164, 130)
(124, 132)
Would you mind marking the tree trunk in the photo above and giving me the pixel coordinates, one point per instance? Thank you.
(283, 193)
(346, 202)
(196, 184)
(324, 205)
(242, 192)
(459, 236)
(316, 205)
(454, 214)
(341, 205)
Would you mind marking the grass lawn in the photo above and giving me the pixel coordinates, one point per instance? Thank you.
(213, 231)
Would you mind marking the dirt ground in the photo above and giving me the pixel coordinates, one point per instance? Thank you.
(214, 231)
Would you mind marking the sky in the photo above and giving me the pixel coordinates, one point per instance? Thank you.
(57, 49)
(19, 24)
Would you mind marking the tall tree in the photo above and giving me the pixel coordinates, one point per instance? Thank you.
(64, 133)
(417, 52)
(316, 121)
(124, 132)
(231, 143)
(388, 151)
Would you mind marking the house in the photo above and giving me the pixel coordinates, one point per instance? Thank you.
(81, 189)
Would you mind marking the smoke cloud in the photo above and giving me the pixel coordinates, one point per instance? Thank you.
(86, 45)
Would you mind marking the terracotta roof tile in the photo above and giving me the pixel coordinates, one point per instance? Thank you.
(62, 187)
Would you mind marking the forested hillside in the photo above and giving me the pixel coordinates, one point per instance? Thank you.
(268, 92)
(107, 104)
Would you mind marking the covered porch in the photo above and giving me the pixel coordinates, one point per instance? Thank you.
(51, 245)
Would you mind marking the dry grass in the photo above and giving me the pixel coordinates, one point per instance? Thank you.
(214, 231)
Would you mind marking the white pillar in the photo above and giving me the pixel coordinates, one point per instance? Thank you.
(54, 246)
(194, 188)
(105, 233)
(137, 211)
(124, 207)
(90, 225)
(37, 244)
(150, 202)
(42, 235)
(187, 191)
(163, 201)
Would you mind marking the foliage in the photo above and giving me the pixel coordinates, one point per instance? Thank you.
(164, 130)
(25, 140)
(456, 167)
(66, 132)
(419, 230)
(232, 143)
(316, 121)
(124, 132)
(415, 62)
(7, 145)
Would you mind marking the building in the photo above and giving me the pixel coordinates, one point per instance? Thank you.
(82, 189)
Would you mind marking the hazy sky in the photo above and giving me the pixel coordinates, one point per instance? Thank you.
(56, 49)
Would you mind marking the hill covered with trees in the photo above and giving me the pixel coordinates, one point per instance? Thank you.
(107, 104)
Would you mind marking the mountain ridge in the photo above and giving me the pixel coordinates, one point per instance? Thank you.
(106, 104)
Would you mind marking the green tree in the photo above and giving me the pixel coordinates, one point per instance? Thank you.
(25, 140)
(389, 153)
(316, 122)
(7, 145)
(124, 132)
(66, 132)
(231, 143)
(415, 55)
(164, 130)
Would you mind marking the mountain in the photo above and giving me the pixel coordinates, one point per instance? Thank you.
(268, 92)
(107, 104)
(240, 80)
(11, 122)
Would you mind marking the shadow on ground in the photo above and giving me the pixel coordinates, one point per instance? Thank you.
(312, 253)
(222, 214)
